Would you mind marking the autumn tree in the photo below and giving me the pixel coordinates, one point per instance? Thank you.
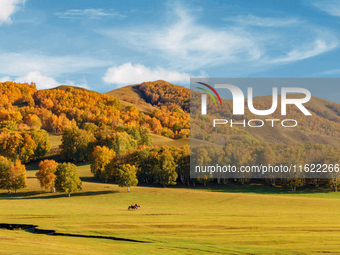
(182, 160)
(126, 176)
(33, 121)
(164, 93)
(10, 115)
(90, 127)
(143, 161)
(12, 174)
(334, 183)
(9, 124)
(141, 134)
(10, 144)
(5, 169)
(16, 145)
(101, 157)
(27, 148)
(42, 141)
(46, 174)
(120, 142)
(76, 144)
(67, 178)
(204, 180)
(166, 173)
(18, 176)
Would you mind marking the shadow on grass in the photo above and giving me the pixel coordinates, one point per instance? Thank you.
(33, 165)
(37, 195)
(256, 188)
(93, 180)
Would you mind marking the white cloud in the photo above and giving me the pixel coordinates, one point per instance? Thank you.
(132, 74)
(7, 8)
(41, 81)
(332, 7)
(89, 13)
(19, 64)
(252, 20)
(317, 47)
(330, 72)
(187, 45)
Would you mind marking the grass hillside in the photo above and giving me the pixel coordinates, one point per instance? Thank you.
(132, 92)
(218, 219)
(290, 135)
(317, 106)
(158, 140)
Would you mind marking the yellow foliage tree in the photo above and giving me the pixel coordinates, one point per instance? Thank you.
(45, 175)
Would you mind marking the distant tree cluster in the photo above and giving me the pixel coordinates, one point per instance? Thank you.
(163, 93)
(79, 105)
(59, 177)
(149, 164)
(24, 145)
(79, 144)
(172, 124)
(254, 152)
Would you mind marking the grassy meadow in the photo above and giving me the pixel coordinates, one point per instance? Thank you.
(220, 219)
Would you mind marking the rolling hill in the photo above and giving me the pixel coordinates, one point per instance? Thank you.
(133, 95)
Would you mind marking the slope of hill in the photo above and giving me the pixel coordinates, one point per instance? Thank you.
(159, 140)
(134, 95)
(320, 108)
(321, 111)
(130, 91)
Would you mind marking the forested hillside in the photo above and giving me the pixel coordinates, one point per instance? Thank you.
(142, 130)
(90, 124)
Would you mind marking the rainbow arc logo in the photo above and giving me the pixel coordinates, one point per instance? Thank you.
(204, 96)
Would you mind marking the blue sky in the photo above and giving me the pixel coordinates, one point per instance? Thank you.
(103, 45)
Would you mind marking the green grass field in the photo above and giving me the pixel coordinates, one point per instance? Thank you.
(55, 140)
(231, 219)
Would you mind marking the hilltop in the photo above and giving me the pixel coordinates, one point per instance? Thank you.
(68, 87)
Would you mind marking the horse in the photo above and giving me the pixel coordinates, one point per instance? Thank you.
(133, 207)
